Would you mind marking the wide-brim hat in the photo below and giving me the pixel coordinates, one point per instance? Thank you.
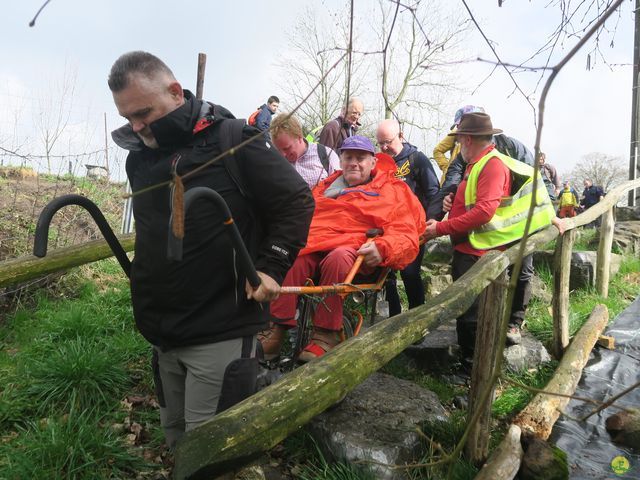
(475, 123)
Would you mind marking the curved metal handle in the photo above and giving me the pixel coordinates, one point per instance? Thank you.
(174, 245)
(44, 221)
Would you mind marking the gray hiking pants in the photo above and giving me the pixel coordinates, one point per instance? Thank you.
(189, 382)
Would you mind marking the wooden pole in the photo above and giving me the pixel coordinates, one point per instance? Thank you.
(634, 164)
(29, 267)
(106, 146)
(560, 305)
(505, 460)
(539, 416)
(485, 357)
(603, 267)
(202, 65)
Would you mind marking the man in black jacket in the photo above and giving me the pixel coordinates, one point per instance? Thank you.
(200, 314)
(415, 169)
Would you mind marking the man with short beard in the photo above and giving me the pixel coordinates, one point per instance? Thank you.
(200, 314)
(486, 213)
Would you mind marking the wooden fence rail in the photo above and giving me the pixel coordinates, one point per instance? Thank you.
(265, 419)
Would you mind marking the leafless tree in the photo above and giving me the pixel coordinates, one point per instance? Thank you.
(315, 43)
(416, 41)
(602, 169)
(54, 111)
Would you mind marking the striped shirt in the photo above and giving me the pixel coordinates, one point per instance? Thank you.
(310, 168)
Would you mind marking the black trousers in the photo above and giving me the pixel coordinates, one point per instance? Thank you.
(412, 284)
(467, 323)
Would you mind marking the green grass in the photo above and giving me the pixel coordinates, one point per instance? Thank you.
(309, 463)
(513, 399)
(74, 446)
(585, 239)
(67, 364)
(624, 287)
(443, 435)
(77, 373)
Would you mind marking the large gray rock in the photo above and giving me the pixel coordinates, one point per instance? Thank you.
(529, 354)
(627, 214)
(438, 250)
(436, 283)
(583, 268)
(626, 237)
(377, 422)
(438, 351)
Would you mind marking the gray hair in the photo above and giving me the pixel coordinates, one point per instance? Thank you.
(140, 62)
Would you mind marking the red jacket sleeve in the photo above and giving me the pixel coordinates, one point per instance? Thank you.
(493, 183)
(404, 223)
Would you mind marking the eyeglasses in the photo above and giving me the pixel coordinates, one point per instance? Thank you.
(384, 143)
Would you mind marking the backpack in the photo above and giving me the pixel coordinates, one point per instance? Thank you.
(253, 117)
(324, 157)
(230, 136)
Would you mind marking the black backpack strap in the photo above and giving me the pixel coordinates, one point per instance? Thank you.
(231, 135)
(324, 157)
(415, 172)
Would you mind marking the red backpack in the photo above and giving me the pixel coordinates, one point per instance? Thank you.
(252, 118)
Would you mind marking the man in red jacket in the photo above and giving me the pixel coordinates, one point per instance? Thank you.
(475, 137)
(365, 194)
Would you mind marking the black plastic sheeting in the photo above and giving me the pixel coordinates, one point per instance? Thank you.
(589, 447)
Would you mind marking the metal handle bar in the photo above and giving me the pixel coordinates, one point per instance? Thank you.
(44, 221)
(174, 246)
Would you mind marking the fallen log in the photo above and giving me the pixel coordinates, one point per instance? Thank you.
(29, 267)
(542, 412)
(265, 419)
(540, 415)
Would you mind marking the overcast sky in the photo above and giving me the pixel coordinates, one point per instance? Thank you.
(587, 111)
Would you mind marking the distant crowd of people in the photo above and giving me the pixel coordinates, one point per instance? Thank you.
(302, 209)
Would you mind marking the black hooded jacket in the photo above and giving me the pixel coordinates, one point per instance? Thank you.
(415, 169)
(202, 299)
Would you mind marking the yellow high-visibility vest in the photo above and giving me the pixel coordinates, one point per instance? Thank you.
(507, 224)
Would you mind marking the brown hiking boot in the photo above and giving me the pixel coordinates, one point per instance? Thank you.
(272, 339)
(321, 342)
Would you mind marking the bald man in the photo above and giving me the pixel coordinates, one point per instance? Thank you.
(415, 169)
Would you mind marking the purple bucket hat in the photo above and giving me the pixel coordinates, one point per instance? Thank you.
(358, 142)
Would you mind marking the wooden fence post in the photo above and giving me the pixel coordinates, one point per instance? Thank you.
(485, 358)
(561, 274)
(604, 254)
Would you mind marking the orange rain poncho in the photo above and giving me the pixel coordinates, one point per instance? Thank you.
(385, 202)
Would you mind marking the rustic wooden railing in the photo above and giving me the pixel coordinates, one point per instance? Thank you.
(262, 421)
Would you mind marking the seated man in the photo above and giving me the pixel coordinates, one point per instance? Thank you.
(360, 197)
